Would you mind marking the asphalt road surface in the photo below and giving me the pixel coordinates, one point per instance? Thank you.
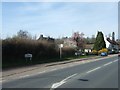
(98, 74)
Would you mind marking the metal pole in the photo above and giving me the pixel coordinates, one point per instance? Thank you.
(61, 45)
(60, 53)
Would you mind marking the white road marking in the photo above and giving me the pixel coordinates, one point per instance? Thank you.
(71, 65)
(115, 60)
(69, 77)
(54, 69)
(62, 67)
(93, 70)
(41, 72)
(107, 63)
(2, 81)
(24, 76)
(34, 74)
(102, 66)
(56, 85)
(83, 62)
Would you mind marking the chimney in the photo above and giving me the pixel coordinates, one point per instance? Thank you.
(113, 36)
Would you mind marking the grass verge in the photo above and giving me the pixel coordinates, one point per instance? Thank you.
(41, 61)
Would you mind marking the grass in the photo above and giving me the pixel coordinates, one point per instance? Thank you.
(21, 64)
(77, 57)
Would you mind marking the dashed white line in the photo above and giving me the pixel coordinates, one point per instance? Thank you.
(83, 62)
(2, 81)
(69, 77)
(61, 67)
(54, 69)
(115, 60)
(70, 65)
(24, 76)
(107, 63)
(93, 70)
(41, 72)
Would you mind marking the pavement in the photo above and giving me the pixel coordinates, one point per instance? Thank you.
(91, 73)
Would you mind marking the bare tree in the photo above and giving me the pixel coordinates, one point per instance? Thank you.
(79, 39)
(23, 34)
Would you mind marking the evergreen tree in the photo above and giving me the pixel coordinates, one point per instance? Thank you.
(99, 42)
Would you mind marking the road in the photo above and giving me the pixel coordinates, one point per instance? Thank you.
(98, 74)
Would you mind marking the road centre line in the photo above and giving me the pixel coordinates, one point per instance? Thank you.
(70, 65)
(41, 72)
(56, 85)
(54, 69)
(107, 63)
(0, 78)
(2, 81)
(61, 67)
(69, 77)
(102, 66)
(93, 70)
(115, 60)
(24, 76)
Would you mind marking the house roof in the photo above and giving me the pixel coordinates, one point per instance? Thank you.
(89, 46)
(112, 41)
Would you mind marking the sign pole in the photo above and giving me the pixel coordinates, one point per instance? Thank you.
(61, 45)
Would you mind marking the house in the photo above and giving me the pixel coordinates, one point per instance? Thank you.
(68, 42)
(113, 45)
(88, 48)
(46, 38)
(118, 41)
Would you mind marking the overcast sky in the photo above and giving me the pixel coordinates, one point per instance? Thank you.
(57, 19)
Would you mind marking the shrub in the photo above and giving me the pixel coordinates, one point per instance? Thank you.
(94, 52)
(103, 50)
